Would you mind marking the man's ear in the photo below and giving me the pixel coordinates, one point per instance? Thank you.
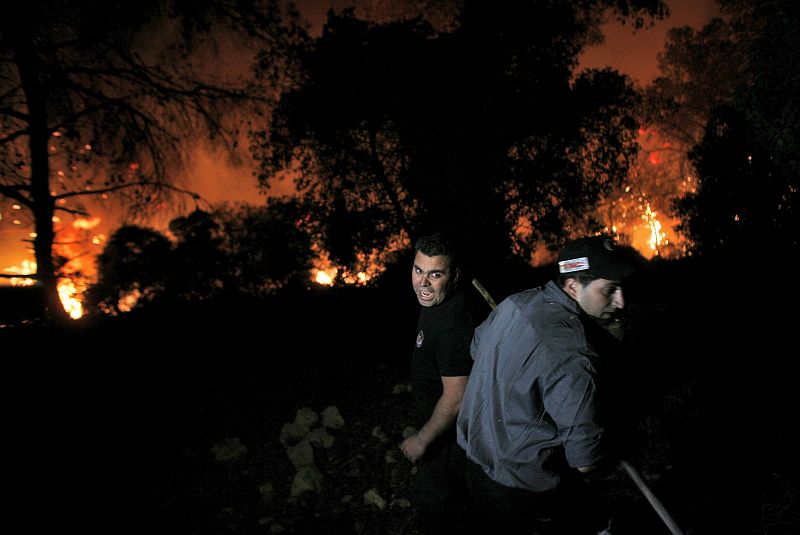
(571, 287)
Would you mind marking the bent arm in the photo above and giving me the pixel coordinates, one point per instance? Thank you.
(443, 416)
(572, 402)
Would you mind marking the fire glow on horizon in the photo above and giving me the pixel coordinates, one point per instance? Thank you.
(368, 266)
(630, 214)
(646, 235)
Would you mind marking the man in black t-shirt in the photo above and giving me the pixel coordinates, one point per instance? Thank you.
(440, 367)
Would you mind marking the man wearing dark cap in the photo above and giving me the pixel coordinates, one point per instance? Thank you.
(530, 421)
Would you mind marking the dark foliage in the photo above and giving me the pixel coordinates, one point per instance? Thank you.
(237, 249)
(748, 158)
(393, 127)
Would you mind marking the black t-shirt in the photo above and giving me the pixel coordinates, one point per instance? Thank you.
(444, 333)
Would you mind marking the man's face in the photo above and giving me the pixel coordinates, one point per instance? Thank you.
(601, 298)
(432, 278)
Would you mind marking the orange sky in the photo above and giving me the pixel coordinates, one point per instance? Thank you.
(633, 53)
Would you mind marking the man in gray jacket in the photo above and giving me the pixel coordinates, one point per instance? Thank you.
(530, 421)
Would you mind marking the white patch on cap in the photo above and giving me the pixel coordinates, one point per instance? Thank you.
(576, 264)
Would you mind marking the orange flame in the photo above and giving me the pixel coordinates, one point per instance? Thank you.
(69, 294)
(69, 290)
(25, 267)
(368, 265)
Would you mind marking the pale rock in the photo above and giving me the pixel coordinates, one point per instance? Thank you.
(291, 434)
(301, 455)
(307, 479)
(371, 497)
(378, 433)
(402, 503)
(306, 418)
(229, 449)
(332, 418)
(320, 438)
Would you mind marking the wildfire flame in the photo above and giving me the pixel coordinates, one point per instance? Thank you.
(69, 290)
(368, 265)
(656, 236)
(71, 243)
(24, 268)
(68, 293)
(324, 276)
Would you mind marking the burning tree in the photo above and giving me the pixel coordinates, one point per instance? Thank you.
(397, 127)
(700, 70)
(116, 85)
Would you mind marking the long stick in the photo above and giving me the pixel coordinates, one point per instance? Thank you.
(484, 293)
(630, 470)
(657, 505)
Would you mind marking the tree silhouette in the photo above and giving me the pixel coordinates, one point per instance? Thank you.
(266, 247)
(699, 70)
(133, 270)
(95, 98)
(339, 132)
(199, 264)
(395, 127)
(747, 160)
(236, 249)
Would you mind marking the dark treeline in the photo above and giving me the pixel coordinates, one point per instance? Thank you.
(394, 128)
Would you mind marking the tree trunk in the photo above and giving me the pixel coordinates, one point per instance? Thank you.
(42, 202)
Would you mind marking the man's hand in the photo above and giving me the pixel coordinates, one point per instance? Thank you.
(444, 414)
(414, 447)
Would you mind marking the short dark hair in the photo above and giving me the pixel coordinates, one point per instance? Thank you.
(438, 243)
(582, 278)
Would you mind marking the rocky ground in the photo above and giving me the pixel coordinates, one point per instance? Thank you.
(175, 421)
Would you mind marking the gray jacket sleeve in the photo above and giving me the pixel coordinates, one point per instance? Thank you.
(571, 400)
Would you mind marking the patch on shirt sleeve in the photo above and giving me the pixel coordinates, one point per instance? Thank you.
(420, 338)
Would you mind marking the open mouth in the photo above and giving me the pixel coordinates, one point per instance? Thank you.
(425, 294)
